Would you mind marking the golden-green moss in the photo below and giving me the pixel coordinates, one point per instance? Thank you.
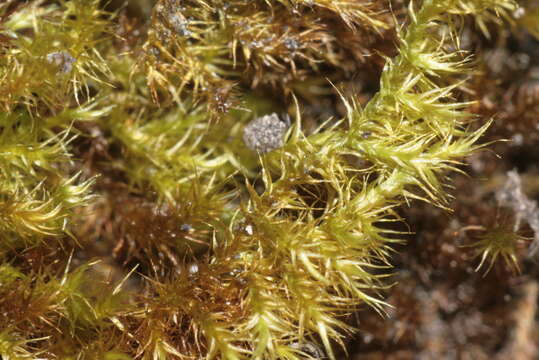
(232, 254)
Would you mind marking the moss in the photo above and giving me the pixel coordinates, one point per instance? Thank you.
(129, 138)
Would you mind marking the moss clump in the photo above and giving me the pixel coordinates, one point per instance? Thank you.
(138, 222)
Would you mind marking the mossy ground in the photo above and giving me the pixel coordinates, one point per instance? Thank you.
(136, 222)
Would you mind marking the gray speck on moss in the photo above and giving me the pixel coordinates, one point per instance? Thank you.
(179, 24)
(265, 133)
(62, 60)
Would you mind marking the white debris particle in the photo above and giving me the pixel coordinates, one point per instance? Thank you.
(265, 133)
(193, 269)
(512, 196)
(62, 60)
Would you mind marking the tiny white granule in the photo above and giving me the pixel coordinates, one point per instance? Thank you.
(265, 133)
